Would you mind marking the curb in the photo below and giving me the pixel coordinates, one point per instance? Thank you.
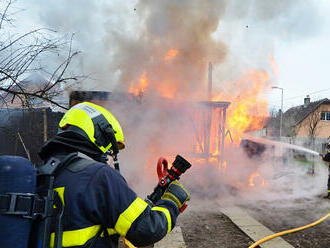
(251, 227)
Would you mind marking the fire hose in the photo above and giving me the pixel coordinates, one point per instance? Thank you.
(289, 231)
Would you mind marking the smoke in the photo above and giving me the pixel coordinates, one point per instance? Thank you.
(186, 26)
(124, 41)
(287, 19)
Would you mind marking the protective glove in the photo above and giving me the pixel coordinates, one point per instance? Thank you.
(177, 194)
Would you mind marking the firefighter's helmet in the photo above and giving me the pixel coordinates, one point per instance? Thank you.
(96, 124)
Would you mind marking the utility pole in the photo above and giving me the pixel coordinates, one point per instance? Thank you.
(281, 116)
(207, 130)
(209, 88)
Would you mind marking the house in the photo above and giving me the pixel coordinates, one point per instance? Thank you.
(306, 125)
(310, 120)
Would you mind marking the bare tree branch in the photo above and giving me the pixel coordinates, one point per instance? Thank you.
(26, 94)
(4, 14)
(25, 149)
(311, 124)
(20, 56)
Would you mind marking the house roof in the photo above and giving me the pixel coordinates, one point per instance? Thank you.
(35, 78)
(299, 113)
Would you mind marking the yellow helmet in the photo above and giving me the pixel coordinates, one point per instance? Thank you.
(96, 124)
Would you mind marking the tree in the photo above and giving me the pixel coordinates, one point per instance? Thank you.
(22, 54)
(310, 124)
(289, 129)
(288, 124)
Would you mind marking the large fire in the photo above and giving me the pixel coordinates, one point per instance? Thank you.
(248, 110)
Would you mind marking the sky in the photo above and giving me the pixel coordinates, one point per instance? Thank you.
(304, 65)
(299, 41)
(304, 69)
(296, 33)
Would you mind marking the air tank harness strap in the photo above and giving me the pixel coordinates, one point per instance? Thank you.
(22, 204)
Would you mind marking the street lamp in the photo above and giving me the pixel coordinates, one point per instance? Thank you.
(281, 117)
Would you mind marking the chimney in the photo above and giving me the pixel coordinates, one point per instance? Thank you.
(307, 101)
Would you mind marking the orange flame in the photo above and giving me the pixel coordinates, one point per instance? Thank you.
(214, 132)
(253, 179)
(139, 88)
(248, 110)
(171, 54)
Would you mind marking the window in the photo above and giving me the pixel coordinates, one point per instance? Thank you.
(325, 116)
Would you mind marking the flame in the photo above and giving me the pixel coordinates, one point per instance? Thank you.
(139, 88)
(215, 132)
(247, 111)
(171, 54)
(253, 177)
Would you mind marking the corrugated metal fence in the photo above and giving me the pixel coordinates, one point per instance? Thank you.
(23, 131)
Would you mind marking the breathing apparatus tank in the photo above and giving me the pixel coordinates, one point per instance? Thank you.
(17, 175)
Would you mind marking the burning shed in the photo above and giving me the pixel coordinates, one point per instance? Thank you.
(201, 126)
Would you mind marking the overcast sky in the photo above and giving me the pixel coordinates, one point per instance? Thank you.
(302, 53)
(304, 67)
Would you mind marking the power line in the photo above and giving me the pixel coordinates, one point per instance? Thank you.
(315, 92)
(290, 99)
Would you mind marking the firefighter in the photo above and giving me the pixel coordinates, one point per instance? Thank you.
(326, 158)
(99, 207)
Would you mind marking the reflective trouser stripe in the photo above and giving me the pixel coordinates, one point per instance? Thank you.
(80, 236)
(167, 215)
(127, 218)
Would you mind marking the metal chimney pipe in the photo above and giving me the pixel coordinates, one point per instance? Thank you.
(210, 82)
